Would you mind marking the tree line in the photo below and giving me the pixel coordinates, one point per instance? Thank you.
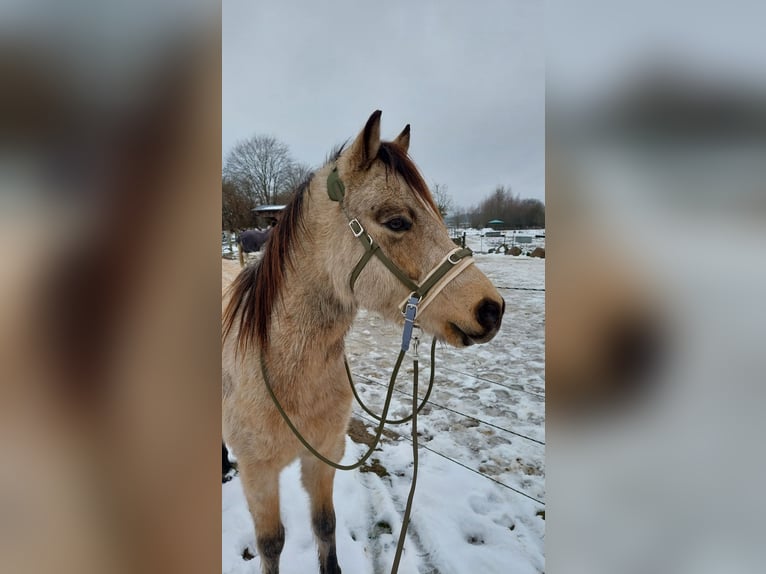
(515, 212)
(261, 171)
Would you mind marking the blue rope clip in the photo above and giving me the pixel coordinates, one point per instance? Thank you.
(410, 312)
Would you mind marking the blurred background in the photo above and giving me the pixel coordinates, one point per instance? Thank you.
(656, 157)
(109, 305)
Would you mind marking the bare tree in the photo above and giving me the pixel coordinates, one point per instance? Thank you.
(442, 198)
(259, 167)
(297, 175)
(459, 217)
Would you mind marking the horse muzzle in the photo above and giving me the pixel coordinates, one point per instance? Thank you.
(489, 316)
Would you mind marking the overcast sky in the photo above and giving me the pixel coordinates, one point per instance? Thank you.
(468, 76)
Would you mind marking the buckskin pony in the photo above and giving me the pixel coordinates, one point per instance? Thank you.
(362, 232)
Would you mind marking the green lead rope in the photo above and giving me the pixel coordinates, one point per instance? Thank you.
(411, 495)
(408, 417)
(302, 439)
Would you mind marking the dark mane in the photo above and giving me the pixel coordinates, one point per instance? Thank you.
(255, 290)
(396, 159)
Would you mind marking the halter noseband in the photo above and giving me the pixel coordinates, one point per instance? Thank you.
(421, 294)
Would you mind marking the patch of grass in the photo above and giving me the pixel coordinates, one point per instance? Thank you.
(375, 467)
(357, 431)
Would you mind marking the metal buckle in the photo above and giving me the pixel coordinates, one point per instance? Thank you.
(449, 258)
(410, 304)
(356, 232)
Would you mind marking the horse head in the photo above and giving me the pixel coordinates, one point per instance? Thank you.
(385, 203)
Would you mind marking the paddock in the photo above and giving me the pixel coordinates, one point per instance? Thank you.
(480, 500)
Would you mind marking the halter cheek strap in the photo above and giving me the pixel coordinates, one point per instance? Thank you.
(422, 294)
(453, 264)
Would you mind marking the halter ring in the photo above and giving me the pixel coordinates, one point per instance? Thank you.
(356, 232)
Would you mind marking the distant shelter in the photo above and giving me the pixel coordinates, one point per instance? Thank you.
(268, 215)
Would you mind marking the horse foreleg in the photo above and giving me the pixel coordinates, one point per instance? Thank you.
(261, 485)
(318, 480)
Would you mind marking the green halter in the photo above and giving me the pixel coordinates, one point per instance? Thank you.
(336, 190)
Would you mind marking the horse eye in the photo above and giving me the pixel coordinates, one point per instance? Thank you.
(398, 224)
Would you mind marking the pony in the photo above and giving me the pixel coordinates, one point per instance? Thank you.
(286, 317)
(251, 241)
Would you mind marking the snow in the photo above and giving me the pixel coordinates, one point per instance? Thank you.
(481, 445)
(479, 242)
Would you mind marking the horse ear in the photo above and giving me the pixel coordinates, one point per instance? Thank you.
(367, 143)
(403, 139)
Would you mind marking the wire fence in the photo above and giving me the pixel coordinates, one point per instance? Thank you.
(510, 386)
(457, 462)
(466, 416)
(519, 288)
(446, 408)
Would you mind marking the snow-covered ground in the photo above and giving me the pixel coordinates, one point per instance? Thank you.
(479, 504)
(486, 240)
(476, 239)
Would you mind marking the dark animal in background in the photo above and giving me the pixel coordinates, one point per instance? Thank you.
(251, 241)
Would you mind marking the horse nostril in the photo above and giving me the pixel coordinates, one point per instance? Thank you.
(489, 313)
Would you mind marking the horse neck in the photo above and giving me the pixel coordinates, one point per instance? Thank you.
(315, 311)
